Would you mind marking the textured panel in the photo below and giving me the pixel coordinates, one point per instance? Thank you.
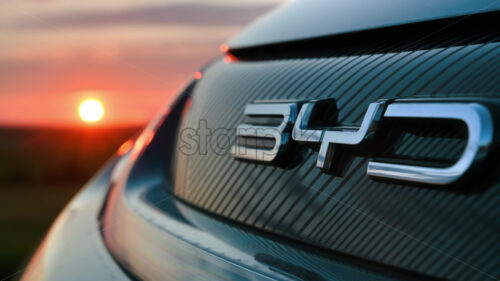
(429, 231)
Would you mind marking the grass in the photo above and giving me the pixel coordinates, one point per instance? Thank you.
(40, 170)
(26, 213)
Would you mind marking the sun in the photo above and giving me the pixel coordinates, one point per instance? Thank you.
(91, 110)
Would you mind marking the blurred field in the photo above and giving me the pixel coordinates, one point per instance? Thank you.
(26, 213)
(40, 170)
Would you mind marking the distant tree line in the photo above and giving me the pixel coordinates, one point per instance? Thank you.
(41, 156)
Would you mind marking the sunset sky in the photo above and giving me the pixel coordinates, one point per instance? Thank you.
(131, 55)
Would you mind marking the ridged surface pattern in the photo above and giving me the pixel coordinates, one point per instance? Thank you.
(434, 232)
